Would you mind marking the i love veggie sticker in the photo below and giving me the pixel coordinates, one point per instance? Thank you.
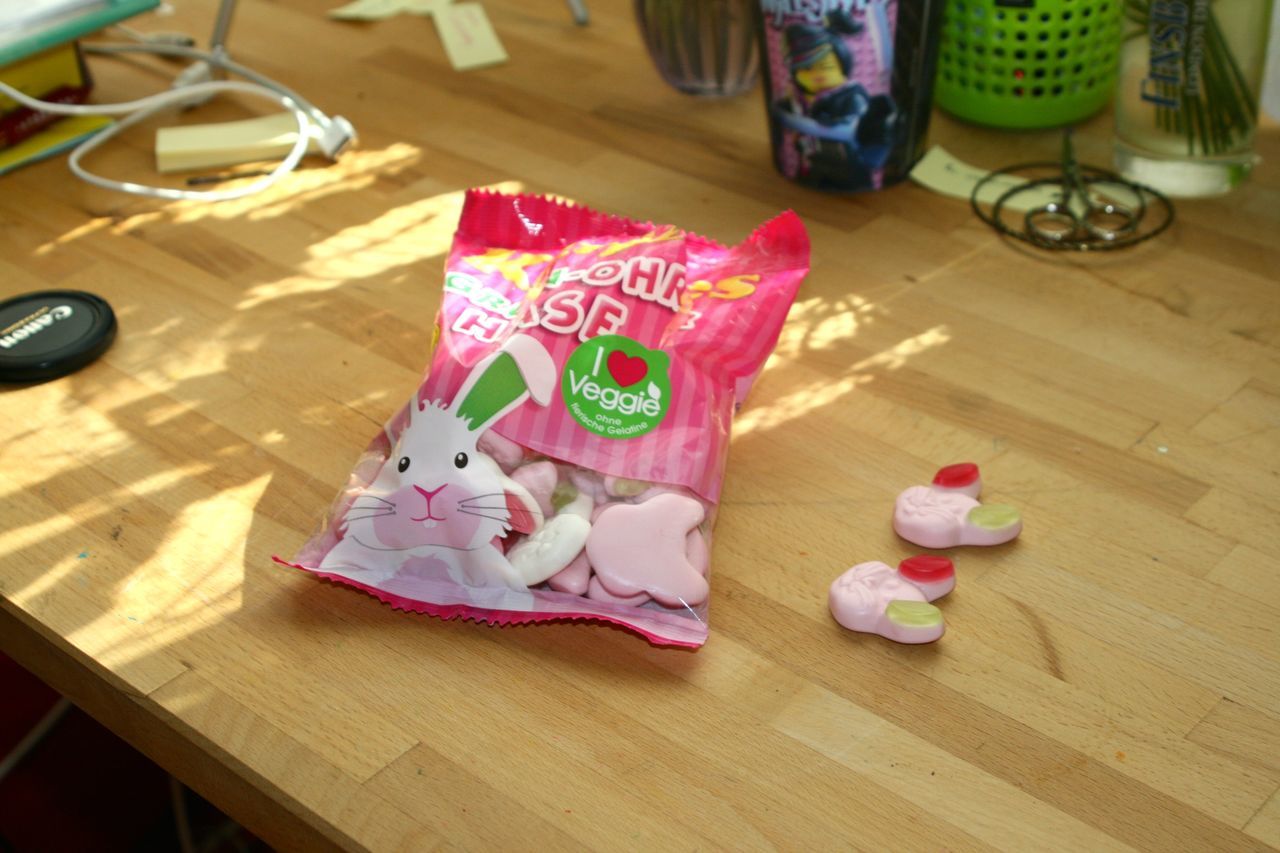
(616, 387)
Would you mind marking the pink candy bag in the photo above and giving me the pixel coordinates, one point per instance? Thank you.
(563, 456)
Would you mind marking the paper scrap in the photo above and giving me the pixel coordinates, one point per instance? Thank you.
(367, 10)
(425, 7)
(380, 10)
(943, 173)
(469, 38)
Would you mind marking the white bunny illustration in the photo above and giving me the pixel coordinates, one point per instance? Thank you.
(436, 495)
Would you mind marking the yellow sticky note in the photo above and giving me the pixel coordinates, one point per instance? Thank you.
(469, 39)
(205, 146)
(941, 172)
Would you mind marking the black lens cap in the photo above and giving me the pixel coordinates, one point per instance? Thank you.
(52, 333)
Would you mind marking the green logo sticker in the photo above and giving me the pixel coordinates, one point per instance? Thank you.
(616, 387)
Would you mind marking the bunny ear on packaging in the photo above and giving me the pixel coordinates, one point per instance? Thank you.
(503, 380)
(523, 513)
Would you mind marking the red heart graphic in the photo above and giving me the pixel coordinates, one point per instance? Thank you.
(626, 371)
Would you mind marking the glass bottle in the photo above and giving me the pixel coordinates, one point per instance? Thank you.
(702, 47)
(1187, 103)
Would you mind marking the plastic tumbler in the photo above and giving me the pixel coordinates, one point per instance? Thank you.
(848, 88)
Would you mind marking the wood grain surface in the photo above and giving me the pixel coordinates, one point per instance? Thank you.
(1111, 680)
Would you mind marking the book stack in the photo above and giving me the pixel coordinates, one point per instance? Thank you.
(40, 58)
(30, 26)
(57, 75)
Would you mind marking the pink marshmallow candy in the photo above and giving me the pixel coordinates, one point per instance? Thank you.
(659, 489)
(696, 551)
(574, 577)
(597, 592)
(875, 599)
(947, 512)
(600, 510)
(504, 451)
(643, 547)
(589, 483)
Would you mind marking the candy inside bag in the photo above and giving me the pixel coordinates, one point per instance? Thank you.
(563, 456)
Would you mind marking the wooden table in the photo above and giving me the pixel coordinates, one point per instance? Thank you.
(1112, 679)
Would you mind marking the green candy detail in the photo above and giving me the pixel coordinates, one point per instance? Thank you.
(563, 495)
(993, 516)
(913, 614)
(625, 488)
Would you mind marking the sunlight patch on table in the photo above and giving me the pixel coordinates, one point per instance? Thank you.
(816, 395)
(817, 324)
(22, 537)
(33, 456)
(400, 237)
(900, 353)
(798, 404)
(356, 170)
(204, 358)
(194, 579)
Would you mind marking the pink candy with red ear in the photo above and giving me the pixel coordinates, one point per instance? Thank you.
(875, 599)
(947, 512)
(642, 547)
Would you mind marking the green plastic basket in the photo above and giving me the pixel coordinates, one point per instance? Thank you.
(1027, 63)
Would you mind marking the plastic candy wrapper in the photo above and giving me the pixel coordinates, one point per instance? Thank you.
(563, 456)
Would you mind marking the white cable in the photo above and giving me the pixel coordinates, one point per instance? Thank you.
(144, 108)
(334, 133)
(154, 38)
(219, 59)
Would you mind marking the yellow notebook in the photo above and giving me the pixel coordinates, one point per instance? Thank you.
(40, 74)
(52, 140)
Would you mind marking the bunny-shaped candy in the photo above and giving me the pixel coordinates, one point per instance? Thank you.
(436, 496)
